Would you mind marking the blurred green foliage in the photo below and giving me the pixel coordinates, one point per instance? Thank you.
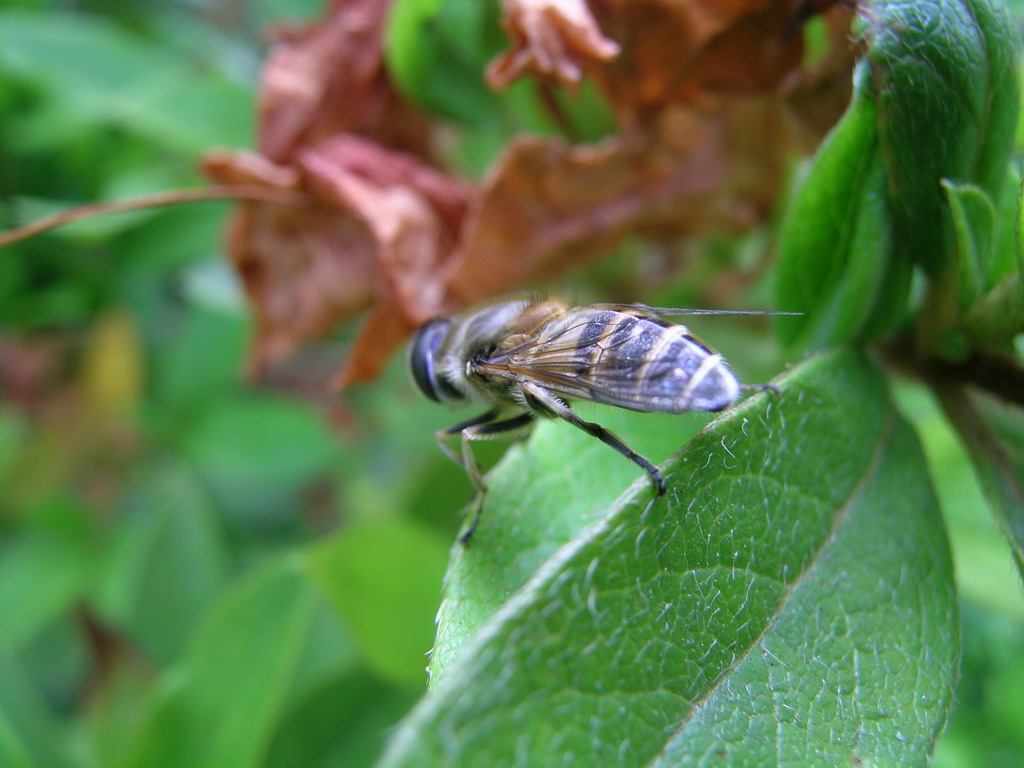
(176, 584)
(196, 571)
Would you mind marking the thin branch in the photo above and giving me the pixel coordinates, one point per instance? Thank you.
(993, 372)
(999, 375)
(174, 197)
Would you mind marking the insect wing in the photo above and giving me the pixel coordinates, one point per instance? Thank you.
(643, 310)
(628, 359)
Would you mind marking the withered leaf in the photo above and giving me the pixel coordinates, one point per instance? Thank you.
(817, 95)
(379, 223)
(548, 205)
(703, 148)
(687, 51)
(378, 227)
(329, 78)
(554, 39)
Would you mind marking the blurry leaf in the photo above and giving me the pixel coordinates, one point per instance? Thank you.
(974, 229)
(202, 362)
(437, 51)
(211, 285)
(379, 228)
(221, 706)
(168, 563)
(289, 9)
(676, 52)
(384, 579)
(998, 316)
(327, 79)
(96, 72)
(986, 728)
(551, 39)
(189, 114)
(30, 735)
(115, 712)
(837, 263)
(60, 662)
(343, 724)
(112, 368)
(43, 572)
(547, 206)
(944, 75)
(62, 303)
(993, 433)
(985, 574)
(12, 436)
(256, 452)
(791, 595)
(86, 62)
(156, 251)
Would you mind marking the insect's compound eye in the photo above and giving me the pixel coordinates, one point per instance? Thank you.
(422, 359)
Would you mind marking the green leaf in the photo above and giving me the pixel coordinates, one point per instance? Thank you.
(342, 724)
(42, 573)
(190, 114)
(95, 72)
(390, 611)
(974, 221)
(13, 428)
(437, 51)
(534, 506)
(256, 652)
(286, 446)
(837, 264)
(168, 563)
(993, 432)
(789, 601)
(998, 316)
(944, 74)
(201, 362)
(30, 735)
(81, 57)
(980, 551)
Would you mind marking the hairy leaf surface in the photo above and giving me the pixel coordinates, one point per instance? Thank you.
(789, 600)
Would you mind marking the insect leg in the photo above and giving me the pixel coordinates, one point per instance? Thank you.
(762, 388)
(485, 431)
(544, 401)
(481, 427)
(448, 451)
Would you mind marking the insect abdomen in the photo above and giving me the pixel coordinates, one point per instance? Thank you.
(653, 365)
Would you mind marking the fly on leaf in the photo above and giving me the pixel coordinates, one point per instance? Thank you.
(526, 358)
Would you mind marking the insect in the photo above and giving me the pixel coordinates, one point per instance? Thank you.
(526, 358)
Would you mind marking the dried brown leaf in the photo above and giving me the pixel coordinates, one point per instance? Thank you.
(379, 227)
(547, 205)
(382, 333)
(670, 51)
(554, 39)
(329, 78)
(817, 95)
(695, 83)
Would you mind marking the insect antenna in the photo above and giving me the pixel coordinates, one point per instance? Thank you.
(670, 311)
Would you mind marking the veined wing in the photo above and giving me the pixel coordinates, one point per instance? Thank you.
(668, 312)
(622, 357)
